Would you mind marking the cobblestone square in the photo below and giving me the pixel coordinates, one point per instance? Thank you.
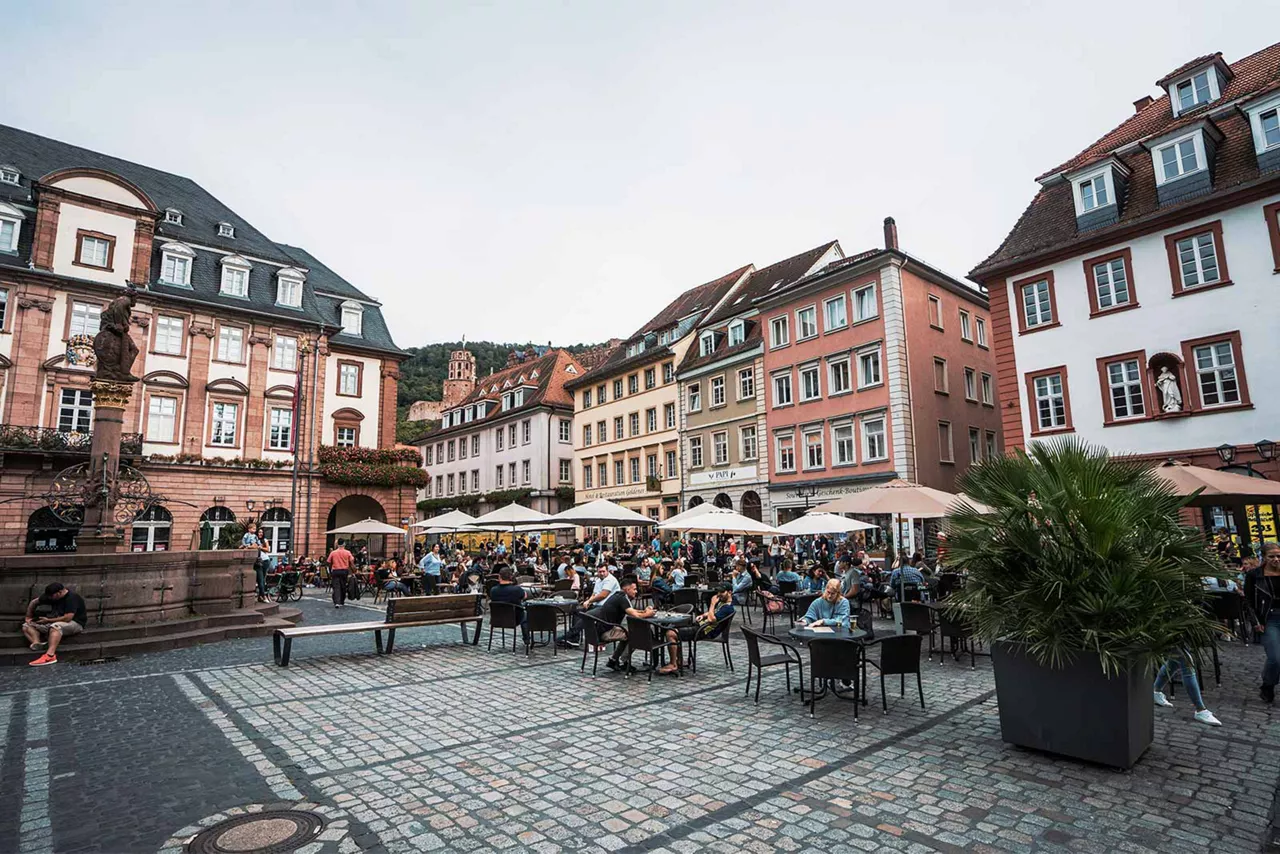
(441, 747)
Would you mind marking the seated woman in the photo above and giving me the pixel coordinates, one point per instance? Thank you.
(660, 587)
(829, 609)
(707, 625)
(572, 575)
(760, 580)
(391, 579)
(678, 574)
(816, 580)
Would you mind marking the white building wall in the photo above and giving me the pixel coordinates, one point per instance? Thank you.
(71, 219)
(1249, 305)
(367, 404)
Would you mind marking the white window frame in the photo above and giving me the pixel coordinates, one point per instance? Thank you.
(172, 216)
(157, 417)
(1043, 308)
(706, 344)
(946, 454)
(226, 437)
(1130, 387)
(349, 380)
(526, 431)
(168, 339)
(587, 474)
(975, 445)
(670, 461)
(868, 356)
(780, 453)
(1211, 83)
(526, 471)
(833, 386)
(669, 415)
(78, 404)
(1218, 370)
(1256, 112)
(1196, 138)
(779, 332)
(1043, 392)
(966, 327)
(980, 331)
(781, 383)
(13, 217)
(720, 448)
(566, 430)
(986, 384)
(352, 318)
(695, 452)
(717, 392)
(633, 424)
(1091, 180)
(89, 255)
(747, 443)
(233, 267)
(172, 254)
(841, 444)
(633, 465)
(816, 370)
(289, 291)
(970, 384)
(841, 322)
(280, 429)
(284, 353)
(1196, 244)
(869, 435)
(875, 302)
(746, 383)
(10, 175)
(86, 319)
(800, 322)
(695, 397)
(227, 337)
(737, 333)
(808, 448)
(651, 420)
(1108, 280)
(566, 471)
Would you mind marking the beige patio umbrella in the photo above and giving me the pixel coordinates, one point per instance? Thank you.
(368, 526)
(691, 513)
(603, 513)
(454, 520)
(1212, 487)
(899, 498)
(823, 523)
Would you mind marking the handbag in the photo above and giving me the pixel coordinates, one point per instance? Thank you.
(772, 604)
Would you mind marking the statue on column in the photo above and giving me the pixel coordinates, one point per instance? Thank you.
(113, 346)
(1170, 394)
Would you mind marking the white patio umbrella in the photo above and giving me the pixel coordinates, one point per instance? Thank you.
(898, 497)
(719, 521)
(691, 513)
(603, 513)
(368, 526)
(446, 522)
(823, 523)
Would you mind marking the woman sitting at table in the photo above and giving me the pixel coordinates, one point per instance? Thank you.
(788, 573)
(660, 587)
(678, 574)
(815, 580)
(572, 575)
(707, 625)
(391, 579)
(829, 609)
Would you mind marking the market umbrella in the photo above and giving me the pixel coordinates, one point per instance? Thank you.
(1211, 487)
(718, 520)
(603, 513)
(691, 513)
(901, 498)
(446, 522)
(368, 526)
(823, 523)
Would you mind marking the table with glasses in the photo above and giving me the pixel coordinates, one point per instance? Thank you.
(804, 634)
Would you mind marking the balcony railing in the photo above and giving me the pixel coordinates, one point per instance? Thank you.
(15, 437)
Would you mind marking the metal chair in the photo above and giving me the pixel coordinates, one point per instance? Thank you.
(543, 619)
(593, 631)
(958, 633)
(899, 655)
(504, 616)
(785, 587)
(562, 585)
(789, 655)
(722, 638)
(918, 618)
(800, 605)
(831, 659)
(647, 637)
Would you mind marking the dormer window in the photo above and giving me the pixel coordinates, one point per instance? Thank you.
(664, 339)
(1093, 192)
(1178, 159)
(737, 333)
(9, 175)
(1098, 191)
(1191, 86)
(352, 318)
(1182, 160)
(289, 287)
(175, 264)
(10, 225)
(1264, 120)
(235, 276)
(172, 216)
(226, 229)
(1193, 91)
(707, 343)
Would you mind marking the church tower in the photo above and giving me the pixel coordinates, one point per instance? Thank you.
(462, 377)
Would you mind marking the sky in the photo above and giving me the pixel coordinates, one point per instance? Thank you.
(559, 171)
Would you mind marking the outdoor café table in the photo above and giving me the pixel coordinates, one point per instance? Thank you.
(794, 599)
(804, 635)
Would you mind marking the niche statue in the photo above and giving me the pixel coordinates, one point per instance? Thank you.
(113, 346)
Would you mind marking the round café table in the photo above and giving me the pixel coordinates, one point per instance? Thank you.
(805, 634)
(564, 608)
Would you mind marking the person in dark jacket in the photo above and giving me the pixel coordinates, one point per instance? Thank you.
(1260, 589)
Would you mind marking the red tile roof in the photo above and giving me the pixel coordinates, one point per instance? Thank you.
(777, 275)
(552, 368)
(1187, 66)
(1049, 221)
(701, 298)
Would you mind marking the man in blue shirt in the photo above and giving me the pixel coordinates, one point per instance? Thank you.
(905, 575)
(829, 609)
(742, 583)
(430, 565)
(788, 574)
(677, 575)
(709, 625)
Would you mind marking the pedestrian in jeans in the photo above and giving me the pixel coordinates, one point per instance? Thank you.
(1182, 663)
(250, 540)
(340, 561)
(1260, 587)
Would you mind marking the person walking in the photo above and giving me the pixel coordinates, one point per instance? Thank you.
(340, 561)
(1260, 588)
(1182, 664)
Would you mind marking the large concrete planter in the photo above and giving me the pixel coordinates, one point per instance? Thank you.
(1075, 711)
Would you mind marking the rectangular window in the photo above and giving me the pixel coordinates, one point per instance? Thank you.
(966, 332)
(586, 398)
(869, 368)
(345, 437)
(874, 446)
(634, 464)
(651, 465)
(806, 323)
(781, 390)
(991, 445)
(838, 378)
(946, 453)
(230, 344)
(566, 471)
(668, 372)
(497, 475)
(1270, 124)
(980, 326)
(475, 480)
(4, 306)
(500, 434)
(747, 443)
(453, 449)
(651, 420)
(1111, 284)
(511, 474)
(707, 344)
(835, 315)
(289, 291)
(618, 432)
(1124, 388)
(695, 451)
(348, 379)
(169, 334)
(1198, 260)
(1177, 159)
(717, 391)
(650, 378)
(462, 448)
(813, 451)
(810, 387)
(226, 420)
(475, 447)
(586, 475)
(175, 269)
(988, 394)
(671, 464)
(1037, 305)
(633, 384)
(603, 471)
(525, 431)
(1193, 91)
(940, 376)
(601, 394)
(440, 485)
(235, 281)
(162, 418)
(9, 229)
(1216, 373)
(779, 334)
(669, 415)
(617, 389)
(975, 445)
(970, 385)
(633, 421)
(935, 312)
(284, 355)
(586, 435)
(86, 319)
(746, 383)
(511, 443)
(842, 441)
(452, 481)
(602, 432)
(525, 473)
(695, 397)
(75, 411)
(1050, 402)
(1093, 192)
(720, 448)
(281, 436)
(864, 303)
(737, 333)
(95, 251)
(786, 455)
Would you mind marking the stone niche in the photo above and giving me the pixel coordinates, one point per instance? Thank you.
(132, 588)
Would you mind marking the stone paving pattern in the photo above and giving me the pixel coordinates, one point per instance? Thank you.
(452, 748)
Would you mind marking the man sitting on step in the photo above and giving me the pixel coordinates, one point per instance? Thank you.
(66, 616)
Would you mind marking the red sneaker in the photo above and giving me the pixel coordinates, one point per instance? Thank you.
(43, 660)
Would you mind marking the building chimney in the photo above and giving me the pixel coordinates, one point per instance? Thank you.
(890, 233)
(513, 358)
(1141, 103)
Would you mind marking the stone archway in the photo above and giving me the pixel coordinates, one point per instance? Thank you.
(356, 508)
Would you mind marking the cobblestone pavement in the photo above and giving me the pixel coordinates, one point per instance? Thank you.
(452, 748)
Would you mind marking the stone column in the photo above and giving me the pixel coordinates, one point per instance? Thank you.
(98, 533)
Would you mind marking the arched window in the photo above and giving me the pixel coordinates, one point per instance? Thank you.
(151, 530)
(277, 526)
(695, 501)
(212, 521)
(47, 533)
(724, 501)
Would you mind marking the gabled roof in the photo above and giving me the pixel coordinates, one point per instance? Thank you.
(777, 275)
(1187, 66)
(1048, 224)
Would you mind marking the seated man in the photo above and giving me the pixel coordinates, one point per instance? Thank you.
(829, 609)
(618, 606)
(850, 578)
(66, 617)
(788, 573)
(391, 581)
(708, 625)
(506, 590)
(905, 575)
(742, 582)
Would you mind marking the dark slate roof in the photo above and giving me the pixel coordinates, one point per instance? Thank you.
(206, 283)
(773, 277)
(1049, 221)
(320, 276)
(373, 326)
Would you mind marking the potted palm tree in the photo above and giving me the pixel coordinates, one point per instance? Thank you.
(1082, 580)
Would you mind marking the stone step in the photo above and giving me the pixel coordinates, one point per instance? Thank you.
(166, 627)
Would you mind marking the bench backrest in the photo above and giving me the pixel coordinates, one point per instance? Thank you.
(411, 609)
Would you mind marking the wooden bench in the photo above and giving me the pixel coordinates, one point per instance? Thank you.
(402, 613)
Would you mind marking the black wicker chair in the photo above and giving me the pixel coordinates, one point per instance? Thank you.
(830, 660)
(593, 632)
(960, 635)
(785, 587)
(918, 618)
(789, 655)
(899, 655)
(722, 638)
(647, 637)
(543, 619)
(687, 596)
(505, 617)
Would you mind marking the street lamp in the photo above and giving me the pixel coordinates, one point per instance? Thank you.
(249, 505)
(1226, 453)
(1266, 449)
(805, 492)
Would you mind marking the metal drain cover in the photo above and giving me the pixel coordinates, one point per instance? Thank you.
(270, 832)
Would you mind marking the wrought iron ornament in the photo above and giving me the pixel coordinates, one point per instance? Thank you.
(76, 488)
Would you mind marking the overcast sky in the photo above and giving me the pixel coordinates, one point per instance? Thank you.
(559, 171)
